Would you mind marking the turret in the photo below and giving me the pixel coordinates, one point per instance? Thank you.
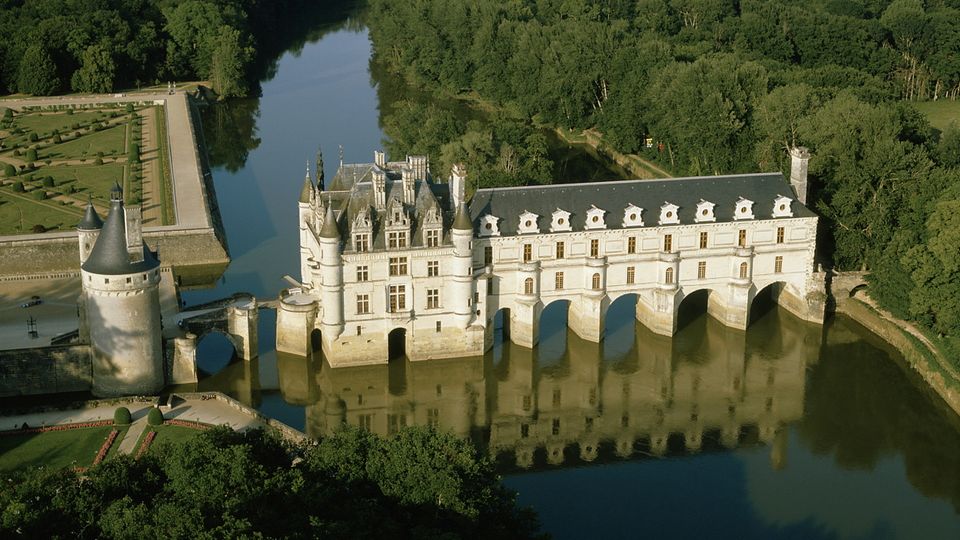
(88, 230)
(331, 288)
(121, 303)
(461, 284)
(305, 211)
(799, 157)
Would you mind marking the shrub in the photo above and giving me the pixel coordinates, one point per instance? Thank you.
(38, 228)
(69, 112)
(68, 189)
(31, 154)
(155, 417)
(18, 186)
(57, 139)
(39, 194)
(33, 137)
(47, 181)
(98, 161)
(9, 170)
(7, 114)
(75, 125)
(121, 416)
(129, 108)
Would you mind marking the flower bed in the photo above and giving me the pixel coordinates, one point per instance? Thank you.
(106, 446)
(60, 427)
(145, 445)
(187, 424)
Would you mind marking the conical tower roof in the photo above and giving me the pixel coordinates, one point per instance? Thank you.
(110, 255)
(307, 190)
(462, 221)
(329, 229)
(91, 220)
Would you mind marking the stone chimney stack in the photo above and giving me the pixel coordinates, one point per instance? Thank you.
(380, 189)
(380, 159)
(458, 185)
(409, 180)
(134, 223)
(799, 157)
(420, 166)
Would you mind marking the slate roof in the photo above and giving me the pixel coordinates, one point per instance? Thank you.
(613, 197)
(109, 255)
(91, 220)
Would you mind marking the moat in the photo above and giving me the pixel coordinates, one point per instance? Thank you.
(788, 430)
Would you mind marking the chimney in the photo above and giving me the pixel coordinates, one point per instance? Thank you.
(133, 225)
(380, 159)
(458, 185)
(420, 166)
(380, 189)
(408, 175)
(799, 156)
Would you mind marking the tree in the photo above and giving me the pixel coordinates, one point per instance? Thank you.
(121, 416)
(229, 58)
(97, 71)
(38, 73)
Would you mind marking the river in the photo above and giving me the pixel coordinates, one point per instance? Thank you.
(786, 431)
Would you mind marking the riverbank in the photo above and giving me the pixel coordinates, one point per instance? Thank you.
(920, 354)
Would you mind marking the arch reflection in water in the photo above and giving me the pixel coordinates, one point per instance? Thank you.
(709, 387)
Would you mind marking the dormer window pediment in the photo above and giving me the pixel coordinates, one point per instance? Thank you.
(397, 216)
(432, 217)
(595, 218)
(669, 214)
(705, 212)
(560, 221)
(743, 209)
(781, 207)
(528, 223)
(633, 216)
(362, 221)
(489, 226)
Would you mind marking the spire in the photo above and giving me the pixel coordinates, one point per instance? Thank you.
(320, 182)
(329, 229)
(307, 190)
(462, 221)
(91, 220)
(110, 254)
(116, 193)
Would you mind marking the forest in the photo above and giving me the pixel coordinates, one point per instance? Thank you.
(717, 86)
(97, 46)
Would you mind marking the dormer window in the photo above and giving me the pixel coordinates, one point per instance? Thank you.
(633, 216)
(560, 221)
(705, 212)
(595, 218)
(362, 228)
(528, 223)
(781, 206)
(669, 214)
(488, 225)
(743, 209)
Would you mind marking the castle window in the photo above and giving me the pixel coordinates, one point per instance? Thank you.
(439, 329)
(743, 270)
(361, 242)
(433, 268)
(668, 243)
(524, 431)
(631, 275)
(781, 207)
(632, 244)
(704, 212)
(365, 422)
(433, 417)
(487, 255)
(702, 270)
(560, 250)
(359, 330)
(363, 306)
(397, 239)
(780, 235)
(595, 282)
(668, 276)
(556, 426)
(143, 277)
(528, 286)
(129, 280)
(398, 298)
(744, 209)
(703, 240)
(526, 402)
(560, 221)
(742, 238)
(778, 264)
(527, 252)
(433, 238)
(668, 214)
(433, 298)
(106, 281)
(363, 273)
(558, 281)
(556, 397)
(594, 248)
(528, 223)
(398, 266)
(632, 216)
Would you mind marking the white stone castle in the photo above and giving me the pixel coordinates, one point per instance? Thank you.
(391, 260)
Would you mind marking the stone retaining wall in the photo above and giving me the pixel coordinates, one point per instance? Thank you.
(52, 370)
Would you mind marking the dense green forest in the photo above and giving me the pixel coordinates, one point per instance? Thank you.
(725, 86)
(223, 484)
(56, 46)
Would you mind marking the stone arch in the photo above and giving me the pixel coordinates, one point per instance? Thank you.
(764, 299)
(619, 325)
(207, 345)
(397, 343)
(690, 305)
(552, 324)
(316, 341)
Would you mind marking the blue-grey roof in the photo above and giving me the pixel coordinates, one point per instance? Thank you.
(109, 255)
(91, 220)
(613, 197)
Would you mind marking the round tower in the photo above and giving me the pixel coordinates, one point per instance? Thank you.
(305, 210)
(331, 268)
(121, 300)
(88, 230)
(461, 284)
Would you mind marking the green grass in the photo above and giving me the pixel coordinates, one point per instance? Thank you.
(75, 447)
(166, 434)
(44, 123)
(95, 180)
(47, 213)
(109, 142)
(940, 113)
(163, 154)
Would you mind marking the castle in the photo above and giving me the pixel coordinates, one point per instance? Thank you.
(391, 260)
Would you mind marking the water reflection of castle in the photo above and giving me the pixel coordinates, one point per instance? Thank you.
(709, 383)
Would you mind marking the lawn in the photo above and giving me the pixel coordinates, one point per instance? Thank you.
(95, 180)
(166, 434)
(75, 447)
(109, 141)
(44, 123)
(50, 214)
(940, 113)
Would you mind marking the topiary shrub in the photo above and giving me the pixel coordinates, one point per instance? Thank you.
(9, 170)
(155, 417)
(47, 182)
(18, 186)
(39, 228)
(31, 154)
(39, 194)
(121, 416)
(33, 137)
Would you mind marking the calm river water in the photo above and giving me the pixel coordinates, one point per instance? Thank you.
(787, 431)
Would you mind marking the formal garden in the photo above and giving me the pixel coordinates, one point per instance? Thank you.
(55, 158)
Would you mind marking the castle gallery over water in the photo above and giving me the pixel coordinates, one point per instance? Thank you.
(391, 260)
